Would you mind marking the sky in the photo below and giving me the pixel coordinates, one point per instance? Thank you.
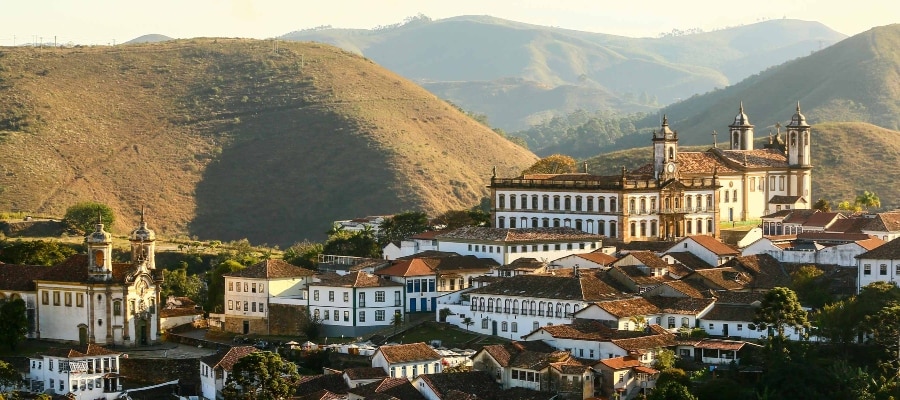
(107, 22)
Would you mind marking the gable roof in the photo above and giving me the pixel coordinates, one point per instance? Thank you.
(620, 363)
(357, 279)
(226, 359)
(766, 272)
(479, 382)
(533, 355)
(271, 269)
(731, 312)
(412, 352)
(333, 383)
(365, 373)
(884, 222)
(655, 337)
(20, 278)
(689, 260)
(628, 307)
(822, 219)
(407, 267)
(712, 244)
(75, 269)
(399, 388)
(680, 305)
(782, 199)
(647, 258)
(726, 278)
(586, 287)
(887, 251)
(599, 258)
(689, 288)
(757, 158)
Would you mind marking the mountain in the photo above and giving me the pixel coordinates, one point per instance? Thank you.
(844, 163)
(151, 38)
(632, 73)
(228, 139)
(857, 79)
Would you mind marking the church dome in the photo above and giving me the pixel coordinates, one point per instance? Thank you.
(798, 119)
(741, 119)
(664, 132)
(99, 235)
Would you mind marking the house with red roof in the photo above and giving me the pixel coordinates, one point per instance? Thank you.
(625, 377)
(81, 372)
(427, 278)
(593, 260)
(354, 304)
(215, 368)
(707, 248)
(266, 298)
(407, 360)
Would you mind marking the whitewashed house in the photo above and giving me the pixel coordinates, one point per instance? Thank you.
(426, 278)
(885, 226)
(354, 304)
(85, 372)
(514, 306)
(215, 368)
(251, 292)
(707, 248)
(506, 245)
(625, 377)
(595, 260)
(407, 360)
(816, 248)
(879, 264)
(419, 243)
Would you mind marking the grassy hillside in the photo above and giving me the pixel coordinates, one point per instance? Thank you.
(857, 79)
(228, 139)
(490, 50)
(848, 157)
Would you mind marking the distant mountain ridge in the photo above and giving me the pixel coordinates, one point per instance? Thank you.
(448, 55)
(226, 139)
(151, 38)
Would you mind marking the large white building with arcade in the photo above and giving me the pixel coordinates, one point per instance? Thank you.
(679, 194)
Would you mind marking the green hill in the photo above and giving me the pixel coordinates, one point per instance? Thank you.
(848, 157)
(228, 139)
(857, 79)
(489, 50)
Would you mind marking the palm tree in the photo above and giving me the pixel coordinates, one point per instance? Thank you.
(868, 199)
(639, 321)
(467, 321)
(397, 321)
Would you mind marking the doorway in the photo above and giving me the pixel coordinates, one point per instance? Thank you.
(82, 335)
(246, 329)
(494, 328)
(142, 331)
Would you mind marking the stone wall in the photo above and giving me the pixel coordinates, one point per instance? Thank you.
(160, 370)
(235, 324)
(286, 320)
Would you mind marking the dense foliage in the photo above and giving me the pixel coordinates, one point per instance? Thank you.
(83, 216)
(402, 226)
(177, 282)
(261, 376)
(34, 252)
(216, 284)
(581, 133)
(13, 322)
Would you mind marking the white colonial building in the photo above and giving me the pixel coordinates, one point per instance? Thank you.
(85, 372)
(407, 360)
(426, 278)
(90, 299)
(507, 245)
(251, 292)
(354, 304)
(679, 194)
(215, 368)
(881, 264)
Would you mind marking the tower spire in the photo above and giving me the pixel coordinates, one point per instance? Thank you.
(142, 215)
(798, 106)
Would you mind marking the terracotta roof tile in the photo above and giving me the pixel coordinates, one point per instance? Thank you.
(272, 269)
(599, 258)
(719, 344)
(478, 382)
(656, 337)
(731, 312)
(714, 245)
(20, 278)
(620, 363)
(781, 199)
(765, 271)
(323, 394)
(649, 259)
(887, 251)
(333, 383)
(680, 305)
(411, 267)
(689, 288)
(758, 158)
(701, 163)
(365, 373)
(822, 219)
(628, 307)
(88, 350)
(586, 287)
(226, 359)
(412, 352)
(526, 264)
(354, 279)
(689, 260)
(723, 278)
(581, 329)
(884, 222)
(399, 388)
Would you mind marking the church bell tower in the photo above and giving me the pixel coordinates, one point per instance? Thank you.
(665, 152)
(741, 131)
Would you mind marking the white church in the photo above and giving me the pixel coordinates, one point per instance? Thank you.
(89, 299)
(679, 194)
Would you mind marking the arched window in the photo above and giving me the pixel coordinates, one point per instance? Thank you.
(631, 208)
(524, 204)
(578, 203)
(531, 308)
(633, 229)
(568, 201)
(497, 303)
(671, 153)
(643, 205)
(601, 227)
(556, 202)
(671, 321)
(481, 304)
(601, 204)
(534, 202)
(512, 222)
(709, 202)
(689, 224)
(688, 203)
(515, 307)
(474, 304)
(503, 326)
(546, 202)
(501, 201)
(501, 222)
(699, 226)
(512, 202)
(540, 309)
(666, 202)
(653, 229)
(568, 310)
(578, 225)
(556, 222)
(709, 226)
(612, 229)
(590, 203)
(644, 228)
(524, 307)
(490, 305)
(559, 310)
(575, 309)
(612, 205)
(685, 322)
(546, 222)
(549, 309)
(534, 222)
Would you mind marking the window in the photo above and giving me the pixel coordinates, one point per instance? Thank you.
(740, 327)
(346, 316)
(771, 183)
(45, 297)
(246, 287)
(535, 326)
(246, 306)
(346, 297)
(327, 315)
(671, 321)
(362, 316)
(379, 296)
(362, 299)
(546, 203)
(379, 315)
(780, 183)
(316, 314)
(68, 299)
(534, 202)
(712, 326)
(484, 323)
(230, 305)
(261, 308)
(230, 286)
(882, 269)
(316, 295)
(556, 202)
(253, 288)
(397, 298)
(867, 270)
(253, 306)
(503, 326)
(331, 296)
(79, 299)
(501, 222)
(55, 298)
(512, 202)
(501, 202)
(117, 308)
(237, 287)
(514, 327)
(262, 287)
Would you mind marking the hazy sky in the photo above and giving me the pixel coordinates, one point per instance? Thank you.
(105, 21)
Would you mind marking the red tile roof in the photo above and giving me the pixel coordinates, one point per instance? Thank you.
(719, 344)
(714, 245)
(20, 278)
(884, 222)
(226, 359)
(620, 363)
(365, 373)
(405, 353)
(413, 267)
(354, 279)
(599, 258)
(272, 269)
(887, 251)
(586, 287)
(88, 350)
(758, 158)
(628, 307)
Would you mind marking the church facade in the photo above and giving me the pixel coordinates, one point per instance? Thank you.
(679, 194)
(88, 298)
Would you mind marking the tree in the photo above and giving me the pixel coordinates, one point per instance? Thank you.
(83, 216)
(13, 322)
(311, 327)
(553, 164)
(402, 226)
(177, 282)
(467, 321)
(444, 313)
(868, 199)
(356, 244)
(665, 359)
(303, 254)
(261, 375)
(676, 375)
(808, 285)
(34, 252)
(216, 284)
(848, 206)
(397, 321)
(885, 329)
(837, 322)
(822, 205)
(639, 321)
(671, 391)
(9, 376)
(780, 307)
